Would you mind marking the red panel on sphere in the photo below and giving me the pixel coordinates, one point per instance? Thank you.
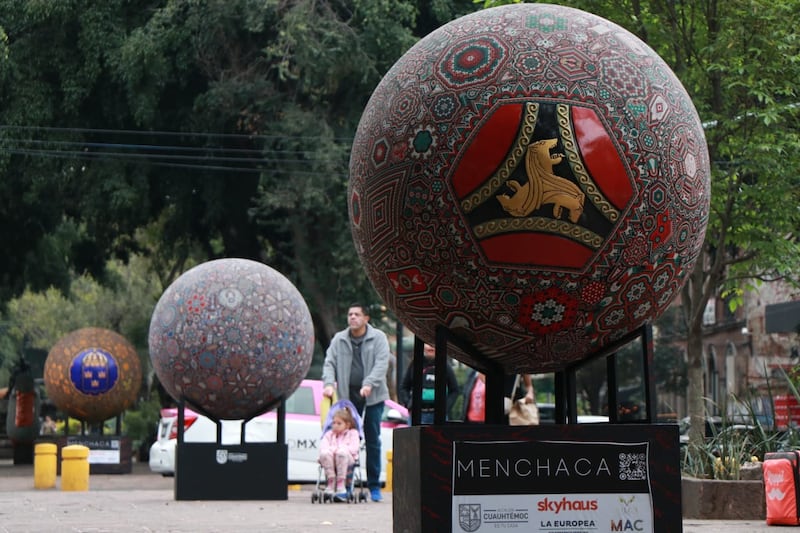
(601, 157)
(487, 149)
(534, 248)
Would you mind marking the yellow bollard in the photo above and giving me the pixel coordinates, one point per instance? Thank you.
(44, 465)
(75, 467)
(389, 470)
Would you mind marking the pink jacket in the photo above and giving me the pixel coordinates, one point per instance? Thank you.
(347, 440)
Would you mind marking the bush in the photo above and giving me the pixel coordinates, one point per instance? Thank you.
(141, 424)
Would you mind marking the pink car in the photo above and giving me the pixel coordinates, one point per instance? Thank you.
(303, 431)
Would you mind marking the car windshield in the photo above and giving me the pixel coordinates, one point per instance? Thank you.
(301, 402)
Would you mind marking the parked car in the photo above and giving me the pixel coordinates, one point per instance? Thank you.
(714, 424)
(303, 432)
(592, 419)
(547, 415)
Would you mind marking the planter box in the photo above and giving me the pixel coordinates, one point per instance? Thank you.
(712, 499)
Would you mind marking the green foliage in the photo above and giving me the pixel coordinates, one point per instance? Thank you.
(495, 3)
(742, 84)
(74, 426)
(125, 304)
(86, 89)
(280, 87)
(141, 423)
(744, 435)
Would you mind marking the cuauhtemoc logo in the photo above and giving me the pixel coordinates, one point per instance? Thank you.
(222, 456)
(469, 516)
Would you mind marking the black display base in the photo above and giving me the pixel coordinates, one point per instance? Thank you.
(210, 471)
(589, 477)
(23, 453)
(108, 454)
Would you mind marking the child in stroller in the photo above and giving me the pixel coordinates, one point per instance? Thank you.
(339, 449)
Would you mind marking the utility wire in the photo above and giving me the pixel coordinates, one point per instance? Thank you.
(154, 147)
(134, 156)
(219, 158)
(279, 136)
(99, 156)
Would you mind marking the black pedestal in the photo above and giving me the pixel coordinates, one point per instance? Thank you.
(23, 453)
(587, 478)
(210, 471)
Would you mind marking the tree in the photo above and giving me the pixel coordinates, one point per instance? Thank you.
(43, 317)
(59, 209)
(743, 82)
(188, 131)
(743, 85)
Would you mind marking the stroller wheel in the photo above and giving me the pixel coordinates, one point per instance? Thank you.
(314, 497)
(362, 496)
(327, 498)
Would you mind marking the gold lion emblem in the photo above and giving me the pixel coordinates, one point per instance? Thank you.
(543, 186)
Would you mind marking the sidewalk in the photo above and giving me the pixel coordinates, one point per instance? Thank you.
(145, 502)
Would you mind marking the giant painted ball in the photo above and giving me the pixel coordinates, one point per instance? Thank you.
(533, 178)
(232, 338)
(93, 374)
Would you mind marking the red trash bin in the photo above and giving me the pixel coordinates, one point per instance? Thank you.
(781, 488)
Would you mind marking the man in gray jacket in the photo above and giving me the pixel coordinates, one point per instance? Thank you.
(356, 364)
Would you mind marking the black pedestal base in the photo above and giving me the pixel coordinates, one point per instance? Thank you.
(590, 477)
(210, 471)
(108, 454)
(23, 453)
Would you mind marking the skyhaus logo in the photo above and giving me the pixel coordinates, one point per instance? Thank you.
(565, 504)
(469, 516)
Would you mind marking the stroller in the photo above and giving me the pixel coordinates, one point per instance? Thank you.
(356, 488)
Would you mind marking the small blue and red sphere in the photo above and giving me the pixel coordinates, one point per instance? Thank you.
(231, 337)
(93, 374)
(533, 178)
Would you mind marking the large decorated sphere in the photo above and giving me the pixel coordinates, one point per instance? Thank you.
(93, 374)
(533, 178)
(231, 337)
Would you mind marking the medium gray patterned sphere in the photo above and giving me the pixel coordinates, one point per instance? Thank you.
(231, 337)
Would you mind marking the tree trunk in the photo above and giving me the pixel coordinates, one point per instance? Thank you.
(694, 303)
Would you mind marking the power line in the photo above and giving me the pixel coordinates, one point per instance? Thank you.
(134, 156)
(129, 158)
(123, 146)
(203, 157)
(208, 135)
(157, 147)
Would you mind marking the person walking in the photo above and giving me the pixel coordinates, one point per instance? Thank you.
(428, 386)
(474, 397)
(474, 404)
(355, 367)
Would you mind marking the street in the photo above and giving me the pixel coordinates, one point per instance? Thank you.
(144, 502)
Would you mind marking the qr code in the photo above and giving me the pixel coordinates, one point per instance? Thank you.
(632, 466)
